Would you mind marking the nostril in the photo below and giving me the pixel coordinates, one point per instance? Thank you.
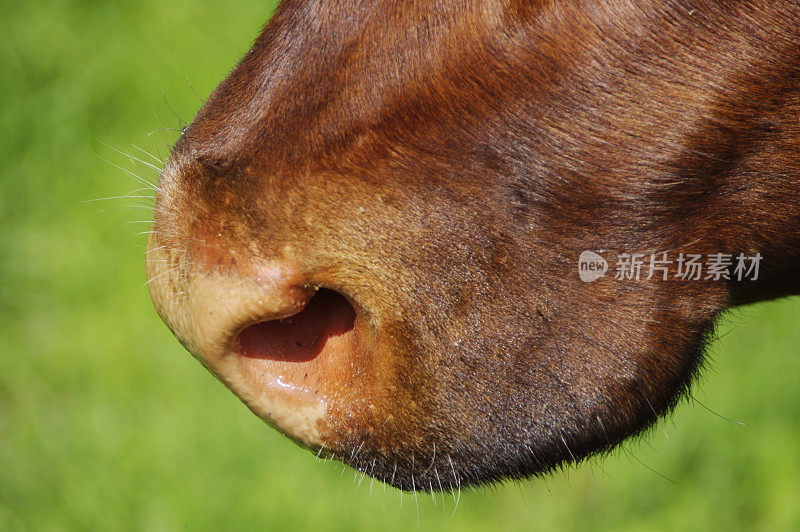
(302, 336)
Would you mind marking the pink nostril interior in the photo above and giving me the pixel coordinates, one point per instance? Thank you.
(301, 337)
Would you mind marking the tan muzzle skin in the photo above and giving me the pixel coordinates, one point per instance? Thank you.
(284, 346)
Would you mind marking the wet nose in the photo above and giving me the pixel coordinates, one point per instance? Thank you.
(285, 346)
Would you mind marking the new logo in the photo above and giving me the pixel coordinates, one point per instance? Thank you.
(591, 266)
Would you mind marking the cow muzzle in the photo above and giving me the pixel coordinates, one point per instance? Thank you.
(284, 345)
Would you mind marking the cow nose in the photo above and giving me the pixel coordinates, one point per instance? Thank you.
(285, 346)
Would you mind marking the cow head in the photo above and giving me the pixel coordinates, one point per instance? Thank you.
(371, 231)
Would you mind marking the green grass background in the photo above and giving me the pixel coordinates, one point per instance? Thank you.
(106, 423)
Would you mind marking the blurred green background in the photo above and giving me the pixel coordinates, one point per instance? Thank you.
(106, 423)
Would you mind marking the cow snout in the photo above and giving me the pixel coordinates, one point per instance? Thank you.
(284, 345)
(372, 231)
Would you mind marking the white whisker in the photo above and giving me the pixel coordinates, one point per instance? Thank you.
(116, 198)
(194, 91)
(133, 157)
(160, 161)
(160, 275)
(137, 177)
(164, 129)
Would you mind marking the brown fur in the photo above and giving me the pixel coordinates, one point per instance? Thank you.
(444, 163)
